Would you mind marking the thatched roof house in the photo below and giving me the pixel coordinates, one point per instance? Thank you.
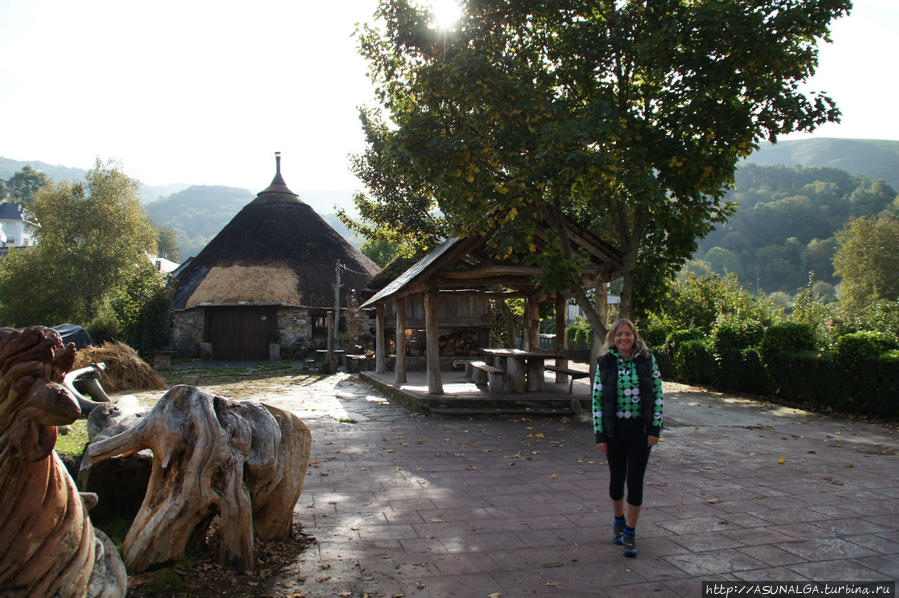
(265, 279)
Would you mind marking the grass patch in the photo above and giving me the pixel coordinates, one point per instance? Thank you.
(74, 442)
(166, 582)
(116, 528)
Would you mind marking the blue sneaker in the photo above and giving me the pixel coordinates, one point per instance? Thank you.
(618, 531)
(630, 543)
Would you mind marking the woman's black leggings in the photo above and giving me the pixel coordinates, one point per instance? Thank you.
(628, 455)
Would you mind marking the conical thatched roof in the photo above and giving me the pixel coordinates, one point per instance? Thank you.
(275, 251)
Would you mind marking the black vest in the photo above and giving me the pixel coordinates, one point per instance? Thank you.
(608, 376)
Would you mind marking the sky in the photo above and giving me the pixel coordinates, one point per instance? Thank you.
(201, 92)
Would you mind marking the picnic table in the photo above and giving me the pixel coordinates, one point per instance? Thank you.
(524, 369)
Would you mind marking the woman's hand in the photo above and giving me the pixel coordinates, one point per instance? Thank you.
(602, 447)
(652, 440)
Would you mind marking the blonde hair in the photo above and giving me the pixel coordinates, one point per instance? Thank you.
(640, 346)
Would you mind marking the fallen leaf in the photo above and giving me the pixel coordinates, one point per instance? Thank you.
(849, 465)
(555, 475)
(782, 460)
(713, 501)
(551, 565)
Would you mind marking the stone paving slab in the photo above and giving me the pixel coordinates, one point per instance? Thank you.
(438, 506)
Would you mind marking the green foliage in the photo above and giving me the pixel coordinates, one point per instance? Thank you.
(380, 251)
(91, 237)
(677, 337)
(654, 335)
(785, 224)
(104, 327)
(140, 305)
(786, 337)
(730, 335)
(628, 117)
(868, 260)
(167, 243)
(26, 183)
(580, 335)
(694, 362)
(851, 349)
(700, 302)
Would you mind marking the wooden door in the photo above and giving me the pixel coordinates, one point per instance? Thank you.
(241, 333)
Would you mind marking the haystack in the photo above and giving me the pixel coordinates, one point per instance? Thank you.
(125, 370)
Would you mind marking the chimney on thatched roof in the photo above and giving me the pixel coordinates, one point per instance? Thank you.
(275, 251)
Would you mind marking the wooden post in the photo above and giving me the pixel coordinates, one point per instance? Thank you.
(435, 385)
(533, 343)
(561, 333)
(380, 341)
(602, 306)
(602, 302)
(400, 364)
(329, 357)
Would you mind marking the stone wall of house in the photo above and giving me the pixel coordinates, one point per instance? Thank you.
(188, 328)
(294, 327)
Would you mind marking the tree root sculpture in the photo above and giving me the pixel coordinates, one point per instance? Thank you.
(47, 543)
(243, 461)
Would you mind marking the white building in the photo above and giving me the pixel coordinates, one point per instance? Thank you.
(15, 231)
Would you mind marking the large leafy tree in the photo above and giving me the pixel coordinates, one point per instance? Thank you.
(868, 260)
(25, 184)
(627, 116)
(91, 238)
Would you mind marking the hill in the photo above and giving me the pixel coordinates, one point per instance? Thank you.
(148, 193)
(785, 224)
(876, 159)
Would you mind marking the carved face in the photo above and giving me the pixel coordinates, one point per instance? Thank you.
(34, 362)
(46, 405)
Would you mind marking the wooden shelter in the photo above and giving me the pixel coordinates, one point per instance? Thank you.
(464, 267)
(260, 285)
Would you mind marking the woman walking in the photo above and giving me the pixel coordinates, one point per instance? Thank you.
(627, 420)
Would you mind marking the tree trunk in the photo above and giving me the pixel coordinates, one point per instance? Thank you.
(243, 460)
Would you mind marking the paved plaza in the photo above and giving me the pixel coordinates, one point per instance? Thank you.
(401, 504)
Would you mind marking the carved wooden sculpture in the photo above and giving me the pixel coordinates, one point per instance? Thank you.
(241, 460)
(47, 543)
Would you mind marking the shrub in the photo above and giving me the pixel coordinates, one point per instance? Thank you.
(851, 349)
(677, 337)
(731, 335)
(654, 335)
(104, 327)
(786, 337)
(741, 371)
(693, 362)
(580, 336)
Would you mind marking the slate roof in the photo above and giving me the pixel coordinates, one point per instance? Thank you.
(11, 211)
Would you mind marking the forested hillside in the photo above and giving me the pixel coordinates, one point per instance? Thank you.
(874, 158)
(785, 224)
(198, 213)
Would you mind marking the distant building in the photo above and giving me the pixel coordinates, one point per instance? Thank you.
(15, 230)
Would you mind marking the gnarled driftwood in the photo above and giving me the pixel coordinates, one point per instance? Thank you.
(241, 460)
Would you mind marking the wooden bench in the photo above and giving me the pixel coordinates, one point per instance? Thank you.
(574, 374)
(482, 374)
